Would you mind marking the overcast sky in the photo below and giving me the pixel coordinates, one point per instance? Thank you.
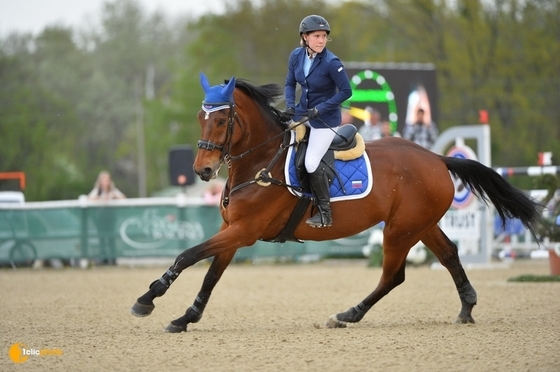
(34, 15)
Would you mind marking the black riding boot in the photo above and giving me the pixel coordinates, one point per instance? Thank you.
(319, 183)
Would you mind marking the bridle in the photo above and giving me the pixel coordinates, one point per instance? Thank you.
(210, 145)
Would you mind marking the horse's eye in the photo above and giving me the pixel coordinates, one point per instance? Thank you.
(221, 122)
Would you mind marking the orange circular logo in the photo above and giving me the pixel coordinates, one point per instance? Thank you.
(16, 353)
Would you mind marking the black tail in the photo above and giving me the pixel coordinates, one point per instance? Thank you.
(488, 185)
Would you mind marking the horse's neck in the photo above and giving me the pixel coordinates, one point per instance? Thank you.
(260, 147)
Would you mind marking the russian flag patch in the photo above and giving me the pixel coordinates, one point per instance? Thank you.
(357, 184)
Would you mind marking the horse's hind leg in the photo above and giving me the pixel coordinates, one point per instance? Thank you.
(394, 263)
(194, 312)
(447, 253)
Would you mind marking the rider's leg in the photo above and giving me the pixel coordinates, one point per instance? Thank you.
(319, 142)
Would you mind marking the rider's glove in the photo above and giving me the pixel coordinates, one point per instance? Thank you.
(288, 114)
(312, 113)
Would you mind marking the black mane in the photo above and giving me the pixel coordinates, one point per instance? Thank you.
(264, 95)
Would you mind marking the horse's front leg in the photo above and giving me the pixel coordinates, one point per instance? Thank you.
(145, 304)
(194, 312)
(223, 244)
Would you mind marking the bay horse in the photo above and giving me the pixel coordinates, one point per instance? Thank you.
(412, 190)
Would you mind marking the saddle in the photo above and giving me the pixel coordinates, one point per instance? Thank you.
(347, 145)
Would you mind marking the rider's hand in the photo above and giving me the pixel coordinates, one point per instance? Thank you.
(312, 113)
(288, 114)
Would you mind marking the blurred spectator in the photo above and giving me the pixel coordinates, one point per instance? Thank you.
(371, 130)
(104, 217)
(346, 117)
(386, 130)
(422, 131)
(105, 189)
(213, 194)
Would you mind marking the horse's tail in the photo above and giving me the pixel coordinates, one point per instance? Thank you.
(488, 185)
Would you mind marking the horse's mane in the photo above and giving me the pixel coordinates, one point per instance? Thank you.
(264, 95)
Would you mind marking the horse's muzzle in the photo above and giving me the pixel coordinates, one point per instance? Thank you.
(207, 173)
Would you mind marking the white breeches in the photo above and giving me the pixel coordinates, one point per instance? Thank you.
(319, 141)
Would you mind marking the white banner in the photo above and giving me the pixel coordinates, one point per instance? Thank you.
(461, 224)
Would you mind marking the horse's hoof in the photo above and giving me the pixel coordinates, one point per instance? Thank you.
(333, 322)
(172, 328)
(467, 320)
(141, 310)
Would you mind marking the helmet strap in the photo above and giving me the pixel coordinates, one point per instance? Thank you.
(307, 45)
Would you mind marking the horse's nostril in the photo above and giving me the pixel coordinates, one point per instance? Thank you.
(205, 174)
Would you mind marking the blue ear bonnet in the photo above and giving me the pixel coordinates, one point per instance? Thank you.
(216, 97)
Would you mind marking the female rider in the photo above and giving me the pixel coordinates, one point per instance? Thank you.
(324, 87)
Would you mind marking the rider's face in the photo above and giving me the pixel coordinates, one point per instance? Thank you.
(317, 40)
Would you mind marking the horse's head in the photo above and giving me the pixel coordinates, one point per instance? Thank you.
(216, 121)
(245, 126)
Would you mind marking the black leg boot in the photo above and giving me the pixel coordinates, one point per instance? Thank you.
(319, 183)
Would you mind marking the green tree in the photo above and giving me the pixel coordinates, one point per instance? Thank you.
(132, 56)
(35, 124)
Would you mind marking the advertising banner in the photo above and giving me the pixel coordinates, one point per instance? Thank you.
(396, 90)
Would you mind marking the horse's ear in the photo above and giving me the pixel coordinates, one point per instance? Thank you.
(228, 89)
(204, 82)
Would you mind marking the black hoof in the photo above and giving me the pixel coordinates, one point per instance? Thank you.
(141, 310)
(172, 328)
(352, 315)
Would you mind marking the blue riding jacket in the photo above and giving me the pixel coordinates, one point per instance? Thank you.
(325, 88)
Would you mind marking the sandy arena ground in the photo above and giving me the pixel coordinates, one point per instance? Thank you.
(271, 318)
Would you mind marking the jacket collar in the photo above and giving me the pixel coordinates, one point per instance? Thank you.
(318, 58)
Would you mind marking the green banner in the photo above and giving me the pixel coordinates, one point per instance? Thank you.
(132, 229)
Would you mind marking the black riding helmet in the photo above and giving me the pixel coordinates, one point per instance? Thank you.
(314, 23)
